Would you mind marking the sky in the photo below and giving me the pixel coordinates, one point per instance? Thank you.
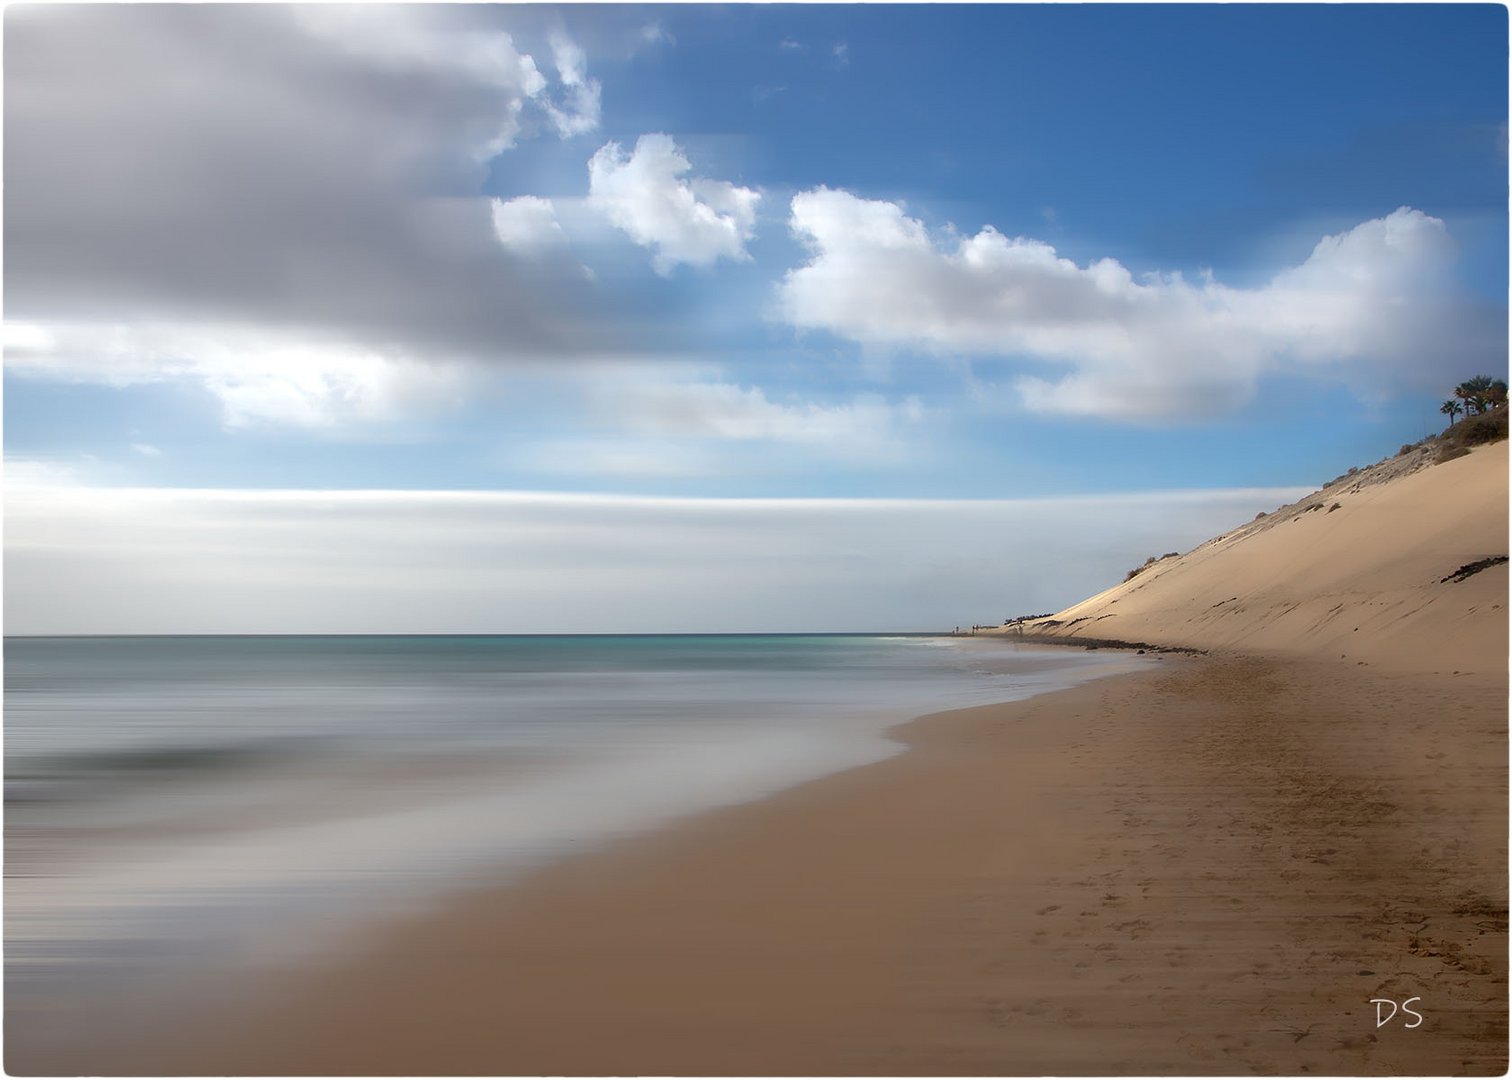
(361, 318)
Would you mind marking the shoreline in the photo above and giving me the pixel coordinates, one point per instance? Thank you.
(1209, 867)
(279, 941)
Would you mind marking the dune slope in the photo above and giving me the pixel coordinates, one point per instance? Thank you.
(1363, 570)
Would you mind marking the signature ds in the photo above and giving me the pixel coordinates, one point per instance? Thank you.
(1406, 1007)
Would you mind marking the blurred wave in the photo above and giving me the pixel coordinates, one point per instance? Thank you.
(174, 803)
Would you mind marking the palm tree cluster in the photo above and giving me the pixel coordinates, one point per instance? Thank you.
(1475, 396)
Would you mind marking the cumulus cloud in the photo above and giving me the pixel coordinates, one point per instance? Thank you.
(1372, 303)
(84, 559)
(580, 114)
(303, 175)
(527, 224)
(694, 221)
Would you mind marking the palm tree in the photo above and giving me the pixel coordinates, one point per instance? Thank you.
(1496, 396)
(1474, 392)
(1451, 409)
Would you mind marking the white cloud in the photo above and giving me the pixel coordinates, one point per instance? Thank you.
(694, 221)
(41, 475)
(258, 376)
(527, 224)
(19, 338)
(82, 559)
(581, 113)
(1370, 303)
(146, 449)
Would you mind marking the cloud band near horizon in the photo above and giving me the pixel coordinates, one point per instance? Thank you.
(92, 560)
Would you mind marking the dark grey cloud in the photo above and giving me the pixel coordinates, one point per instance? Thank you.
(305, 170)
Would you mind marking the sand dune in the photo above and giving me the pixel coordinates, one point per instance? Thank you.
(1355, 571)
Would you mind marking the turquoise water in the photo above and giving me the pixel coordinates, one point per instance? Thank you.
(199, 801)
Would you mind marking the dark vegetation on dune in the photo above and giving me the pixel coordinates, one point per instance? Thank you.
(1475, 431)
(1472, 568)
(1483, 401)
(1151, 561)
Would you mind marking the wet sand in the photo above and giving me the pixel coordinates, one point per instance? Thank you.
(1208, 868)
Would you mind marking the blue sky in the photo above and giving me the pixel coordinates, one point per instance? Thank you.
(851, 252)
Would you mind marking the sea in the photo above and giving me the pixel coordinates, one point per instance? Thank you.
(230, 803)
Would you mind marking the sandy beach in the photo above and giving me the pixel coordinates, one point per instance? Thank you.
(1215, 866)
(756, 540)
(1207, 868)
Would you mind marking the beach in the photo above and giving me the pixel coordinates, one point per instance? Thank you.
(758, 539)
(1208, 868)
(193, 819)
(1235, 860)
